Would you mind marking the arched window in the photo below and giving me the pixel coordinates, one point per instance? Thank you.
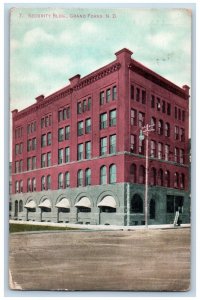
(60, 180)
(103, 175)
(176, 180)
(153, 176)
(133, 172)
(142, 174)
(153, 122)
(43, 183)
(182, 181)
(88, 177)
(160, 127)
(167, 129)
(34, 184)
(112, 174)
(167, 178)
(136, 204)
(160, 177)
(20, 205)
(48, 182)
(80, 178)
(21, 186)
(152, 209)
(16, 186)
(29, 185)
(67, 179)
(16, 208)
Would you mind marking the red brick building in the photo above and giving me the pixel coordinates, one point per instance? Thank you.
(77, 156)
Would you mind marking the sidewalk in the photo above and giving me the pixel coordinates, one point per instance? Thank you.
(101, 227)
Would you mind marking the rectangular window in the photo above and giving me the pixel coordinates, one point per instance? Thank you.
(80, 152)
(33, 162)
(176, 154)
(20, 148)
(43, 140)
(87, 125)
(103, 148)
(61, 134)
(50, 120)
(43, 160)
(29, 145)
(114, 93)
(160, 150)
(21, 165)
(64, 114)
(89, 103)
(16, 167)
(101, 98)
(137, 94)
(183, 115)
(181, 156)
(48, 159)
(143, 97)
(141, 147)
(46, 121)
(79, 108)
(34, 143)
(28, 164)
(167, 152)
(133, 117)
(112, 116)
(67, 154)
(158, 104)
(49, 138)
(141, 120)
(103, 120)
(112, 144)
(42, 123)
(182, 135)
(179, 114)
(68, 112)
(168, 109)
(133, 143)
(176, 132)
(132, 92)
(84, 105)
(67, 132)
(17, 149)
(163, 106)
(60, 156)
(88, 150)
(108, 94)
(80, 128)
(60, 115)
(153, 149)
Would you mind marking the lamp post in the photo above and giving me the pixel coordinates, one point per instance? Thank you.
(144, 132)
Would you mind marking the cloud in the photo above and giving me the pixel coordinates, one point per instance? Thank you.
(161, 39)
(88, 28)
(14, 45)
(36, 36)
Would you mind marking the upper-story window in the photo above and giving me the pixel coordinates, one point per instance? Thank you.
(133, 117)
(112, 117)
(60, 156)
(103, 146)
(143, 96)
(153, 123)
(48, 138)
(168, 109)
(160, 127)
(141, 119)
(46, 121)
(88, 125)
(153, 149)
(80, 128)
(79, 108)
(67, 132)
(183, 115)
(158, 104)
(182, 135)
(43, 140)
(114, 93)
(167, 129)
(141, 147)
(88, 150)
(84, 105)
(176, 132)
(137, 94)
(132, 92)
(103, 120)
(61, 134)
(31, 127)
(160, 150)
(108, 95)
(18, 132)
(133, 144)
(80, 152)
(63, 114)
(163, 106)
(112, 144)
(102, 98)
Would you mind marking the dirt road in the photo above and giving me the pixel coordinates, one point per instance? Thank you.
(142, 260)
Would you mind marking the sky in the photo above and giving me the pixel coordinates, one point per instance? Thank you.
(47, 50)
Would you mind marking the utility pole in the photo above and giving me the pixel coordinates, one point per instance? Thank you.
(144, 132)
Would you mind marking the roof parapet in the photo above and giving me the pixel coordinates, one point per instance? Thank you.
(39, 98)
(186, 88)
(75, 79)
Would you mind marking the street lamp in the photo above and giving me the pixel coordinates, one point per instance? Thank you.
(144, 132)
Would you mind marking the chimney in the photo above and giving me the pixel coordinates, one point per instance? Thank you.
(124, 54)
(39, 98)
(75, 79)
(186, 89)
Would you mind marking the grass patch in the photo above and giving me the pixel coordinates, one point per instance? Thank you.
(26, 227)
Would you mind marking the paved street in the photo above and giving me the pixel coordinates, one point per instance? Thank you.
(152, 260)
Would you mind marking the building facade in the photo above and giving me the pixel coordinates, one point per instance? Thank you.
(77, 156)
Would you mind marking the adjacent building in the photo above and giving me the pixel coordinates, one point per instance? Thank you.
(77, 156)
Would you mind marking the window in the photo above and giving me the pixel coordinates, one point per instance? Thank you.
(152, 101)
(163, 106)
(141, 147)
(88, 150)
(48, 159)
(20, 206)
(143, 97)
(80, 151)
(168, 109)
(43, 140)
(48, 182)
(21, 165)
(28, 164)
(29, 145)
(29, 185)
(80, 128)
(182, 135)
(158, 104)
(49, 138)
(114, 93)
(167, 178)
(33, 162)
(167, 152)
(68, 112)
(181, 156)
(16, 166)
(153, 149)
(103, 120)
(89, 103)
(176, 180)
(43, 160)
(88, 177)
(176, 132)
(101, 98)
(133, 143)
(160, 127)
(42, 123)
(112, 144)
(179, 114)
(67, 132)
(34, 143)
(67, 154)
(16, 186)
(133, 172)
(84, 105)
(136, 204)
(153, 122)
(108, 95)
(67, 179)
(112, 174)
(21, 186)
(153, 176)
(64, 114)
(103, 175)
(60, 156)
(176, 152)
(80, 178)
(79, 108)
(60, 180)
(34, 184)
(16, 149)
(167, 129)
(132, 92)
(160, 177)
(61, 134)
(87, 125)
(103, 149)
(141, 120)
(60, 115)
(112, 117)
(160, 151)
(137, 94)
(141, 174)
(133, 117)
(183, 115)
(182, 181)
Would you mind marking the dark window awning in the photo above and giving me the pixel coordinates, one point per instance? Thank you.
(63, 203)
(46, 203)
(108, 201)
(83, 202)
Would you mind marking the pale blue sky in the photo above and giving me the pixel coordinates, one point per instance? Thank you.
(46, 52)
